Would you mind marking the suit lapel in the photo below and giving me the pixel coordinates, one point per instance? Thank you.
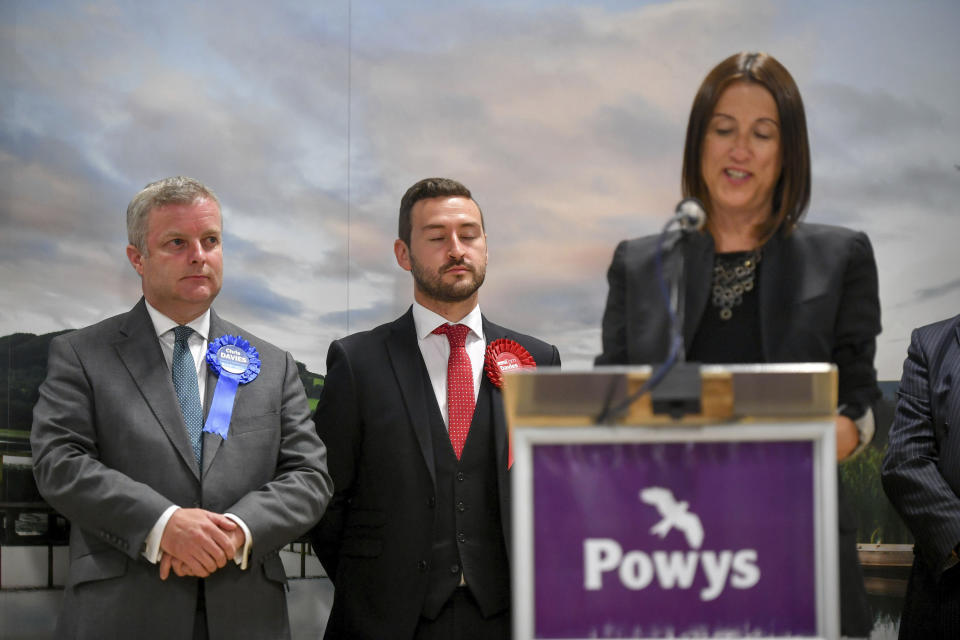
(951, 395)
(698, 258)
(212, 441)
(408, 369)
(944, 398)
(140, 353)
(493, 332)
(774, 295)
(501, 438)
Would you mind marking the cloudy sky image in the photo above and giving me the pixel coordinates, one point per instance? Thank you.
(566, 119)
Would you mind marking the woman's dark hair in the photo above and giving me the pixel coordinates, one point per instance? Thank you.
(791, 195)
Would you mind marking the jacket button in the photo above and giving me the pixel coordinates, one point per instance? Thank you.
(461, 537)
(431, 502)
(422, 565)
(461, 507)
(454, 568)
(460, 476)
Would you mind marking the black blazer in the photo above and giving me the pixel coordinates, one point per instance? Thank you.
(921, 477)
(817, 297)
(375, 538)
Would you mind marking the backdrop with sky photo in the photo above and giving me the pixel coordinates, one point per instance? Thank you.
(566, 119)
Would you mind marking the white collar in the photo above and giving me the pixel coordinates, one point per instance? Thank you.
(163, 324)
(425, 321)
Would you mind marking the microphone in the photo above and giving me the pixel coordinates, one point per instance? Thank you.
(689, 215)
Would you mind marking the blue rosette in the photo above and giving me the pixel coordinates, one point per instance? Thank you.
(236, 362)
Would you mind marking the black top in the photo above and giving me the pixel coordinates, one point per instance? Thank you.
(736, 340)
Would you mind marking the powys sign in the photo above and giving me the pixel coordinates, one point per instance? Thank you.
(664, 540)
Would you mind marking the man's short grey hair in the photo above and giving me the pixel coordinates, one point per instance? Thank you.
(175, 190)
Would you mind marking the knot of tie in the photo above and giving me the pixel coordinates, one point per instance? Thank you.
(182, 333)
(456, 333)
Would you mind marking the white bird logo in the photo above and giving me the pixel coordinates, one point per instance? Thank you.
(674, 514)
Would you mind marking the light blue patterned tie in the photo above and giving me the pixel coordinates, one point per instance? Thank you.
(188, 391)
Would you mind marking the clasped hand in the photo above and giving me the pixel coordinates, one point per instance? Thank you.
(197, 542)
(847, 437)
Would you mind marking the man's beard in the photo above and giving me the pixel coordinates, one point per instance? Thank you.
(434, 287)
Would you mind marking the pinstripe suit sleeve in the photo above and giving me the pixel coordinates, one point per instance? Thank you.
(912, 477)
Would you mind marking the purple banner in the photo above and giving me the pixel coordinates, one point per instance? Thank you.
(663, 540)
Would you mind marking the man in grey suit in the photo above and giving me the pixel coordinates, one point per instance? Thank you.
(121, 448)
(921, 477)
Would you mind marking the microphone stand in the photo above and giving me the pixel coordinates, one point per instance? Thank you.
(676, 391)
(675, 385)
(675, 299)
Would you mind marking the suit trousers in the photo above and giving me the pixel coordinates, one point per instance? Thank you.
(200, 626)
(931, 610)
(200, 631)
(460, 619)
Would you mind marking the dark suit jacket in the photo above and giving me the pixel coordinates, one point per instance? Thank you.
(921, 476)
(376, 536)
(818, 303)
(111, 453)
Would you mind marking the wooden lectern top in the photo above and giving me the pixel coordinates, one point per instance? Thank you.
(730, 393)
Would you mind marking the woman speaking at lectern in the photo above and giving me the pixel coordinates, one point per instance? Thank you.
(760, 286)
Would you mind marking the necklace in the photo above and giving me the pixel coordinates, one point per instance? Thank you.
(733, 276)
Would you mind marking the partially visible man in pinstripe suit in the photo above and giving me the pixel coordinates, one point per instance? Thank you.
(921, 476)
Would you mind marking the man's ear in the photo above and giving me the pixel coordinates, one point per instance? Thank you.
(402, 252)
(135, 258)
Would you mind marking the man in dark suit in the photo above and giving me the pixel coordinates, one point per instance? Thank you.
(120, 448)
(417, 536)
(921, 477)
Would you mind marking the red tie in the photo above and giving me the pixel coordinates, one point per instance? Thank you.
(460, 400)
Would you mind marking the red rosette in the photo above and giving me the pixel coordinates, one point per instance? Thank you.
(505, 355)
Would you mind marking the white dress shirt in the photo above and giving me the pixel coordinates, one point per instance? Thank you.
(197, 342)
(435, 350)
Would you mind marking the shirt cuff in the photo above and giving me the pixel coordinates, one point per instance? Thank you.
(151, 546)
(243, 555)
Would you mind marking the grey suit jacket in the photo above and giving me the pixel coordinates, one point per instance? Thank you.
(921, 470)
(111, 453)
(377, 534)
